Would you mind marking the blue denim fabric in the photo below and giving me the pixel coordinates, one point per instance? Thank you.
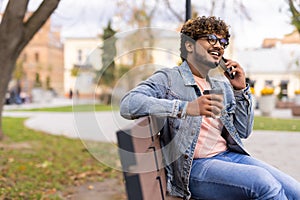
(162, 95)
(233, 176)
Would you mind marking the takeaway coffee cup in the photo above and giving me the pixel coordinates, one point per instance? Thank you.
(214, 91)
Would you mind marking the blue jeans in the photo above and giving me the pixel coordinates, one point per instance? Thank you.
(235, 176)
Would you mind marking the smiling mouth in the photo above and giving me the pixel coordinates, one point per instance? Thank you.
(214, 53)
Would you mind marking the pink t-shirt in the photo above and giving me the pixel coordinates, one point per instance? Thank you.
(210, 141)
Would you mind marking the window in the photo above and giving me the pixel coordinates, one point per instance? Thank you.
(79, 55)
(269, 83)
(284, 88)
(36, 57)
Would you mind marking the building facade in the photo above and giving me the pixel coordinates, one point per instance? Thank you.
(276, 64)
(82, 57)
(42, 59)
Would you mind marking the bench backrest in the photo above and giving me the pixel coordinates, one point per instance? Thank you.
(141, 160)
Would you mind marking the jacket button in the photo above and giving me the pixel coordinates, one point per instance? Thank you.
(186, 156)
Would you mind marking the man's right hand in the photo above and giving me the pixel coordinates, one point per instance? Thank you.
(208, 105)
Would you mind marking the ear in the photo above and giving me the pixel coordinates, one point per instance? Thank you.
(189, 46)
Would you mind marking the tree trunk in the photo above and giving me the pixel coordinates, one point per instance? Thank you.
(15, 34)
(7, 67)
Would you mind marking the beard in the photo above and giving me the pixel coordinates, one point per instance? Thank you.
(202, 56)
(204, 60)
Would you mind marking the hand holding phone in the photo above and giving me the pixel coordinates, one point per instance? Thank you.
(227, 70)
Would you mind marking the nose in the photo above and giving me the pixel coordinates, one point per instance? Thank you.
(218, 43)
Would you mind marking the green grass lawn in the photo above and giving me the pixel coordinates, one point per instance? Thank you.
(276, 124)
(35, 165)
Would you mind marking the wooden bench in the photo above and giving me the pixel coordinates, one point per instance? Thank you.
(141, 159)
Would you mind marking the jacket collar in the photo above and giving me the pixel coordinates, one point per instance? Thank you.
(186, 74)
(188, 77)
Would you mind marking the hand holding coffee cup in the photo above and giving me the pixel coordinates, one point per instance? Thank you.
(216, 98)
(209, 104)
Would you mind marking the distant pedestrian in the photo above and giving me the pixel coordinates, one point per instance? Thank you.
(70, 94)
(77, 94)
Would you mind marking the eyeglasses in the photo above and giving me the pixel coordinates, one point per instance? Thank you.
(213, 39)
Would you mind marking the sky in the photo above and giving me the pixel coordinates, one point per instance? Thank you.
(269, 18)
(86, 18)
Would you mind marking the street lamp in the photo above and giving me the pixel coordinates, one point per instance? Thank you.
(188, 11)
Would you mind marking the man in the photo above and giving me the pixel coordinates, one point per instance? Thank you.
(203, 153)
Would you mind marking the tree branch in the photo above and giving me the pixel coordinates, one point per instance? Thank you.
(153, 9)
(11, 27)
(173, 11)
(293, 8)
(295, 15)
(10, 14)
(37, 20)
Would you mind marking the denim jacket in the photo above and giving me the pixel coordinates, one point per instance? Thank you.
(162, 95)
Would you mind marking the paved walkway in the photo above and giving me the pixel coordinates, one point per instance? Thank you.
(97, 126)
(280, 149)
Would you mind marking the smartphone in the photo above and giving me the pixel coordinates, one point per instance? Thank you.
(227, 70)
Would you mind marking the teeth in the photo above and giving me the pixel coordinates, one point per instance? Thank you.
(214, 53)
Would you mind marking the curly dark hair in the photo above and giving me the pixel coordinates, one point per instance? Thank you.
(193, 28)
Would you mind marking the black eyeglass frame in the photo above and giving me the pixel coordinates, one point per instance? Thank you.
(213, 39)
